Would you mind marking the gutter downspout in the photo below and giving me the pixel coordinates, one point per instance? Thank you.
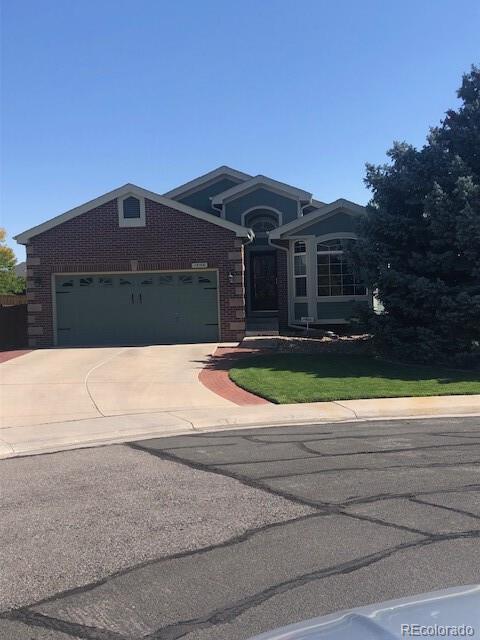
(302, 207)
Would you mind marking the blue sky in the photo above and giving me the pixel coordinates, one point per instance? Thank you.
(96, 94)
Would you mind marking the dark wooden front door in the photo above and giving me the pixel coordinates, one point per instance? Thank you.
(263, 281)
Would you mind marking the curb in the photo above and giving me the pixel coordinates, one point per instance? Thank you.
(93, 432)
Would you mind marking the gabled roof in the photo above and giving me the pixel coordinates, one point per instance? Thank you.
(305, 221)
(274, 185)
(23, 238)
(219, 172)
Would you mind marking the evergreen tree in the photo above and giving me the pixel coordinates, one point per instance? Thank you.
(420, 240)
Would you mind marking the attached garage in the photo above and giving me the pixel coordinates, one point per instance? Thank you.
(133, 267)
(137, 308)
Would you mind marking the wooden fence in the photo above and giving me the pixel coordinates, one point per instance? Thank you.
(13, 326)
(12, 299)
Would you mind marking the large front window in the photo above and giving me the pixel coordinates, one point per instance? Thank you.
(335, 275)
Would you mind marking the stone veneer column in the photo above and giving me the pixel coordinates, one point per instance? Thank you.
(236, 302)
(34, 306)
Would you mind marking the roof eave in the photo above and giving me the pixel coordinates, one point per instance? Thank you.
(261, 180)
(25, 236)
(313, 216)
(197, 183)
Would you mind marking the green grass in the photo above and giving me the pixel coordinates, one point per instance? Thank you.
(285, 378)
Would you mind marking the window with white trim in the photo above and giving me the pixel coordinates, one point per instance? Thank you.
(300, 269)
(131, 211)
(336, 276)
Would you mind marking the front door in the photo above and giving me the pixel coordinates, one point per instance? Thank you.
(263, 281)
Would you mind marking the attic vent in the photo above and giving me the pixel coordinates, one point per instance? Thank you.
(131, 207)
(131, 211)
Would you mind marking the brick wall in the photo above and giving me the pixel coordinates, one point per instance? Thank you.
(282, 285)
(94, 242)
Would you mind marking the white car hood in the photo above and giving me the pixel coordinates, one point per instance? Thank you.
(458, 607)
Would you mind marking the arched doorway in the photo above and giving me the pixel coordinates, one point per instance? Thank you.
(261, 264)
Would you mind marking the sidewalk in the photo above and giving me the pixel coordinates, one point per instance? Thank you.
(45, 438)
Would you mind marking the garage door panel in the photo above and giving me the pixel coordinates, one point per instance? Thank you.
(145, 308)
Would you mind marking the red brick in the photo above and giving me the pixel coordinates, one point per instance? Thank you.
(94, 242)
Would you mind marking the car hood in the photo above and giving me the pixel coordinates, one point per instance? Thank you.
(457, 607)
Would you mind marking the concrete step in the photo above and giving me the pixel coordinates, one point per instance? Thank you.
(262, 327)
(261, 332)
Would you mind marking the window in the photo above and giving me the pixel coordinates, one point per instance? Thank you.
(263, 224)
(261, 221)
(131, 211)
(335, 275)
(300, 269)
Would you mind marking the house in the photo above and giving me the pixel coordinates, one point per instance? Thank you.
(192, 265)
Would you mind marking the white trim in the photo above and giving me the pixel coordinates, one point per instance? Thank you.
(339, 298)
(346, 298)
(303, 275)
(279, 213)
(309, 299)
(139, 192)
(99, 273)
(312, 298)
(341, 235)
(272, 185)
(130, 222)
(193, 185)
(328, 210)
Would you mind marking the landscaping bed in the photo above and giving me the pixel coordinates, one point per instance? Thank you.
(297, 377)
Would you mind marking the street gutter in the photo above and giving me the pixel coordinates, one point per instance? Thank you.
(91, 432)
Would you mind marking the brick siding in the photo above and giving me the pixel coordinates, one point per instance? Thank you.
(282, 286)
(94, 242)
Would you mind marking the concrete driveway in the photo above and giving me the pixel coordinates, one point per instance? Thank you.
(55, 385)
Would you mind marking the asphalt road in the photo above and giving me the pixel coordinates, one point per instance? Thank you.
(221, 536)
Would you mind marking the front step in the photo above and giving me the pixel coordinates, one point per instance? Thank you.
(249, 333)
(262, 327)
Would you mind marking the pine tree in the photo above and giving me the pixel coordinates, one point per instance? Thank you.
(420, 240)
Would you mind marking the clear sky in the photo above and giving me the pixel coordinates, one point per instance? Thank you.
(155, 92)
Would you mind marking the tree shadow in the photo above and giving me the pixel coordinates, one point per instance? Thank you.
(342, 366)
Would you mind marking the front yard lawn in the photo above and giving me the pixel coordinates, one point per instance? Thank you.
(285, 378)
